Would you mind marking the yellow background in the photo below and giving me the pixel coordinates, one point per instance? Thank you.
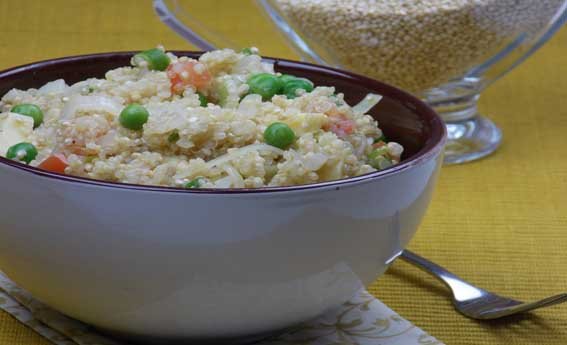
(500, 222)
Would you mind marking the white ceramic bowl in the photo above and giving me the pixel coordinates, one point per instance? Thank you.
(163, 263)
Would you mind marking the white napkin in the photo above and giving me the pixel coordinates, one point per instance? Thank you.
(363, 320)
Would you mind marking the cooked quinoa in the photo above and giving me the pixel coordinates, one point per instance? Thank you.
(206, 127)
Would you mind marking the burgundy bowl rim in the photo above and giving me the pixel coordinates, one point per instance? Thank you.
(432, 147)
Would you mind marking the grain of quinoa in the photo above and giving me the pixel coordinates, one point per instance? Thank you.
(415, 44)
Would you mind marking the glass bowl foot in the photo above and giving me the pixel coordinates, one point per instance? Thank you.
(471, 139)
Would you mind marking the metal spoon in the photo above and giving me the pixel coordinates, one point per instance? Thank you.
(474, 302)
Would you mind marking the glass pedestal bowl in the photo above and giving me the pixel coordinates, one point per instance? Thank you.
(446, 52)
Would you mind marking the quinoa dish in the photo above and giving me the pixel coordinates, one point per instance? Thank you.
(226, 120)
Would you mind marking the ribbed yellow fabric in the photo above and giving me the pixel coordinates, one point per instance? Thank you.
(500, 222)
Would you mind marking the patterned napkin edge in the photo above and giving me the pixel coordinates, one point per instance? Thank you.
(364, 320)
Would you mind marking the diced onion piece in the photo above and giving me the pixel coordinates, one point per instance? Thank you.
(242, 151)
(250, 105)
(366, 104)
(224, 182)
(333, 171)
(109, 139)
(314, 161)
(363, 143)
(14, 129)
(395, 150)
(56, 86)
(250, 64)
(236, 178)
(90, 103)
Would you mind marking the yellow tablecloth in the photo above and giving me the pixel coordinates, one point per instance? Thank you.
(500, 222)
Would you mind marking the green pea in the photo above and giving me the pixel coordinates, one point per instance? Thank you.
(30, 110)
(134, 116)
(287, 77)
(291, 87)
(247, 51)
(156, 59)
(378, 160)
(202, 99)
(24, 152)
(173, 137)
(279, 135)
(265, 84)
(195, 183)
